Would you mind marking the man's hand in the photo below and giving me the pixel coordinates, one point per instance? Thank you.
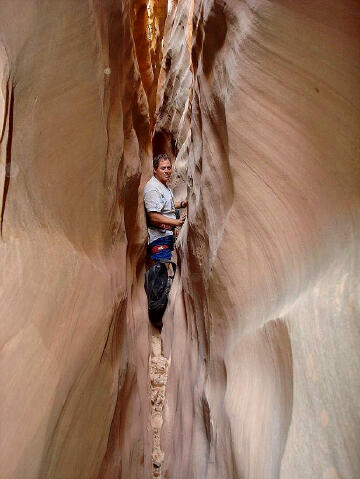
(181, 220)
(178, 224)
(161, 221)
(166, 227)
(181, 204)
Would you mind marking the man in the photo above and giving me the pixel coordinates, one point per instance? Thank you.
(160, 207)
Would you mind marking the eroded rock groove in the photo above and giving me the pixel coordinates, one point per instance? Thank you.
(259, 100)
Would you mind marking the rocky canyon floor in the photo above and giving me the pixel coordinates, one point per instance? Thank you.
(158, 374)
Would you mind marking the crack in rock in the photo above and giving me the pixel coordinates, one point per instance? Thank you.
(158, 378)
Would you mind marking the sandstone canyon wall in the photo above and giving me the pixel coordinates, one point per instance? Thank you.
(262, 105)
(259, 102)
(75, 143)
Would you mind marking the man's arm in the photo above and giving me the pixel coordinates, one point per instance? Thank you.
(157, 219)
(181, 204)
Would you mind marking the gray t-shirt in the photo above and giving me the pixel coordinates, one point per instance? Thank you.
(160, 199)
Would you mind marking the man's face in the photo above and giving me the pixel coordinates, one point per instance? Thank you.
(163, 171)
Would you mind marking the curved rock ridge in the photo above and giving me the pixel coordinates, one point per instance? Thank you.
(259, 103)
(75, 153)
(262, 108)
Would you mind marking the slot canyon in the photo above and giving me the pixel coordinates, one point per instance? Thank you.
(258, 104)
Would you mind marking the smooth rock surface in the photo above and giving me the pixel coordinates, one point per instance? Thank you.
(263, 326)
(75, 152)
(259, 101)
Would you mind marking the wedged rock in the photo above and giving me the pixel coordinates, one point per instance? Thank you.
(158, 375)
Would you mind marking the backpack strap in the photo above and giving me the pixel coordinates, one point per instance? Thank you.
(172, 264)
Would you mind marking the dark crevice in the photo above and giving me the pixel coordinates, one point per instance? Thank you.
(215, 34)
(8, 157)
(2, 133)
(164, 142)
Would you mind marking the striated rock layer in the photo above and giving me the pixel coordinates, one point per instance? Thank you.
(262, 107)
(259, 103)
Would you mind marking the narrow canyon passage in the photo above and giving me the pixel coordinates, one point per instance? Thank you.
(158, 370)
(256, 372)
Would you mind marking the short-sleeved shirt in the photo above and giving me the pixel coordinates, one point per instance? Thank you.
(160, 199)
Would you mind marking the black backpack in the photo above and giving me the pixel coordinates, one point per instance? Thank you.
(157, 287)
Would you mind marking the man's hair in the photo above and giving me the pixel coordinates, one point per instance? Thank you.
(158, 158)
